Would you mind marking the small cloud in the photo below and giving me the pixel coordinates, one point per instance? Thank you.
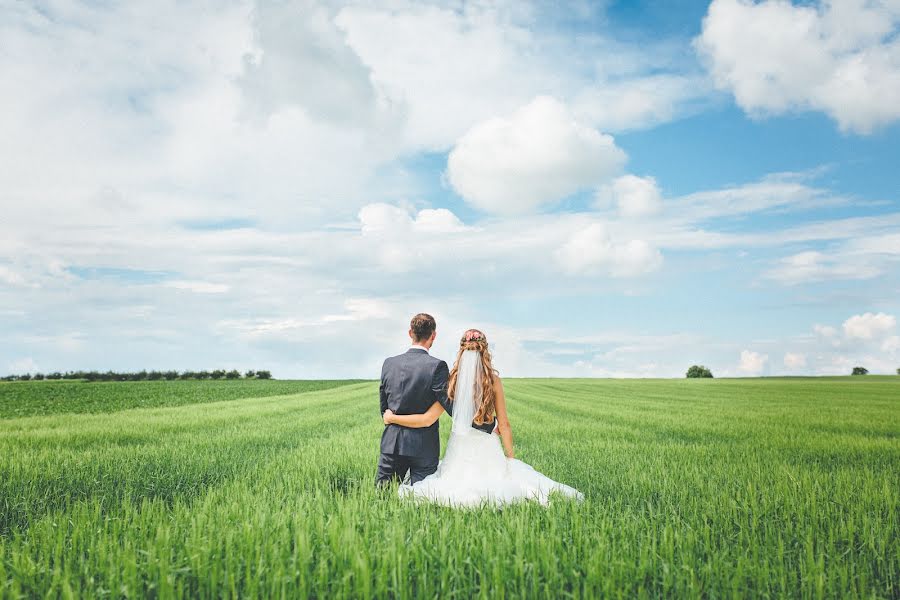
(794, 360)
(381, 218)
(438, 220)
(592, 250)
(825, 330)
(868, 326)
(633, 196)
(752, 363)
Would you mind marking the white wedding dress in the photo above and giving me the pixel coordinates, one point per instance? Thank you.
(474, 470)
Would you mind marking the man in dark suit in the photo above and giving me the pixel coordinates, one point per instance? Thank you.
(410, 384)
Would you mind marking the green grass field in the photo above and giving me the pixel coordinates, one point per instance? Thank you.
(694, 488)
(25, 399)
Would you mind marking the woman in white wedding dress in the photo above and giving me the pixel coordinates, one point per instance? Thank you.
(475, 470)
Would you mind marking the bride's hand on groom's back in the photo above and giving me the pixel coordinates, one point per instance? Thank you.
(387, 416)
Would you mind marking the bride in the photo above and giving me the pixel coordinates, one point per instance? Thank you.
(475, 469)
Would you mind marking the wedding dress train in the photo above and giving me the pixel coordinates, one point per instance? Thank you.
(475, 471)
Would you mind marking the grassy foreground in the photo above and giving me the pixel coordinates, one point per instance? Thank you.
(715, 488)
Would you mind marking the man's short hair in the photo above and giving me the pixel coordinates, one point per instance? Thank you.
(422, 326)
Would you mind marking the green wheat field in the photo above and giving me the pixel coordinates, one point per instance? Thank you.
(694, 488)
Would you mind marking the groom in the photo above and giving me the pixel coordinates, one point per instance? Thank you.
(410, 384)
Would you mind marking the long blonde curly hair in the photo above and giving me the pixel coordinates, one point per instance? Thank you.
(473, 339)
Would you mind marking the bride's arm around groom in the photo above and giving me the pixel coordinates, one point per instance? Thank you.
(415, 421)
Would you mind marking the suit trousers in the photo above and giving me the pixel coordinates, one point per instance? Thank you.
(396, 465)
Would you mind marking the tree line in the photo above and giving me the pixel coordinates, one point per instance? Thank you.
(699, 371)
(141, 375)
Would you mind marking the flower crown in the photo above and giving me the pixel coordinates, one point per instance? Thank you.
(473, 335)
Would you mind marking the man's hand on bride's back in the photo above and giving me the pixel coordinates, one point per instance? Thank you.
(388, 414)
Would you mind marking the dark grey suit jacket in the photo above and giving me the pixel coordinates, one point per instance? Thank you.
(410, 384)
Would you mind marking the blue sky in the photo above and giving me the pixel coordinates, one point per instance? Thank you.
(607, 189)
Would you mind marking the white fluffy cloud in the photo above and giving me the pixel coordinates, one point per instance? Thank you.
(539, 154)
(841, 57)
(386, 218)
(405, 242)
(633, 196)
(592, 250)
(752, 363)
(869, 325)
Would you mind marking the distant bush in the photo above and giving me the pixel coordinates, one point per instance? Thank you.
(860, 371)
(698, 371)
(898, 371)
(142, 375)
